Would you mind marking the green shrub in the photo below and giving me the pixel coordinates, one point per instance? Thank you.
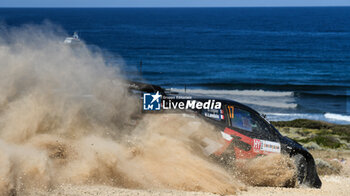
(343, 130)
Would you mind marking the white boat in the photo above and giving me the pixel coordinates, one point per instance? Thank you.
(73, 40)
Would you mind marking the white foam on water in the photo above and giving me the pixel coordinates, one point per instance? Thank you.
(273, 99)
(260, 93)
(328, 117)
(269, 103)
(337, 117)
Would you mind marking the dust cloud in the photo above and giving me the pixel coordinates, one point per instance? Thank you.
(66, 117)
(274, 170)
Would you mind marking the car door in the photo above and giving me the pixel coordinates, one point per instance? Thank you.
(248, 133)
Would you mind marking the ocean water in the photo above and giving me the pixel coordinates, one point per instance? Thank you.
(286, 62)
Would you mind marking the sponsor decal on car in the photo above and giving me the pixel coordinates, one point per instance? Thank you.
(214, 114)
(222, 114)
(231, 111)
(266, 146)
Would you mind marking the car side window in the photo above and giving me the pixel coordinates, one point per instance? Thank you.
(246, 120)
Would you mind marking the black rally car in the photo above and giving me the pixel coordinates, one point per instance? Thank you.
(247, 134)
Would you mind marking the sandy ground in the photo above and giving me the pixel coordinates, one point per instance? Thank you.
(106, 190)
(332, 185)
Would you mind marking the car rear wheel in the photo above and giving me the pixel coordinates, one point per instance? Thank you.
(301, 167)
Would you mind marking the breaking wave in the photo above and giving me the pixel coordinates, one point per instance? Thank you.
(328, 117)
(273, 99)
(260, 93)
(337, 117)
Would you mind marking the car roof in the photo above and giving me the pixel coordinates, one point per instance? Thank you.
(228, 102)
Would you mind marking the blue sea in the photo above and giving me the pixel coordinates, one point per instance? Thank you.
(285, 62)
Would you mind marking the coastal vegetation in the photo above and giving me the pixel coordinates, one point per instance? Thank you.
(316, 135)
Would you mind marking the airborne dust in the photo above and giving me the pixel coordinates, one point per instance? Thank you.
(66, 117)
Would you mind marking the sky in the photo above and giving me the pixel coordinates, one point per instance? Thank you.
(170, 3)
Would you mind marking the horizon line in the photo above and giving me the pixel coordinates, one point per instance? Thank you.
(307, 6)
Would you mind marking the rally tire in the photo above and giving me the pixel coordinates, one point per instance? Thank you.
(301, 168)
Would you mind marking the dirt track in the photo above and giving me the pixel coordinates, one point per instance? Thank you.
(332, 185)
